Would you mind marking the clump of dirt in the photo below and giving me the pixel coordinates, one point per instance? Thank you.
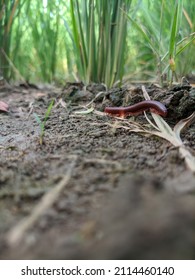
(94, 189)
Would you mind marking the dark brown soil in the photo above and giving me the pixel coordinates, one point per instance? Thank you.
(119, 194)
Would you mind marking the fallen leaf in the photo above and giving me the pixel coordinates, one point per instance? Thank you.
(3, 107)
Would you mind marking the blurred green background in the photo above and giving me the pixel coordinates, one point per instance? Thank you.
(102, 41)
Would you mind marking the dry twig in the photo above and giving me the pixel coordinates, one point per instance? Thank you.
(17, 233)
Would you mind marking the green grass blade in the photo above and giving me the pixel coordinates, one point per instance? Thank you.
(76, 37)
(48, 112)
(39, 121)
(91, 69)
(185, 46)
(142, 32)
(174, 28)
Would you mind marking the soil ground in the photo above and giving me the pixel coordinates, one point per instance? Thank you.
(93, 189)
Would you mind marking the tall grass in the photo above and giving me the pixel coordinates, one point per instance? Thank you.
(9, 11)
(52, 40)
(163, 37)
(187, 64)
(44, 27)
(99, 38)
(32, 40)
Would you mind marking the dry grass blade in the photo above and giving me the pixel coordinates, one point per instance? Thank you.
(16, 234)
(183, 124)
(188, 157)
(128, 125)
(173, 135)
(14, 69)
(84, 112)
